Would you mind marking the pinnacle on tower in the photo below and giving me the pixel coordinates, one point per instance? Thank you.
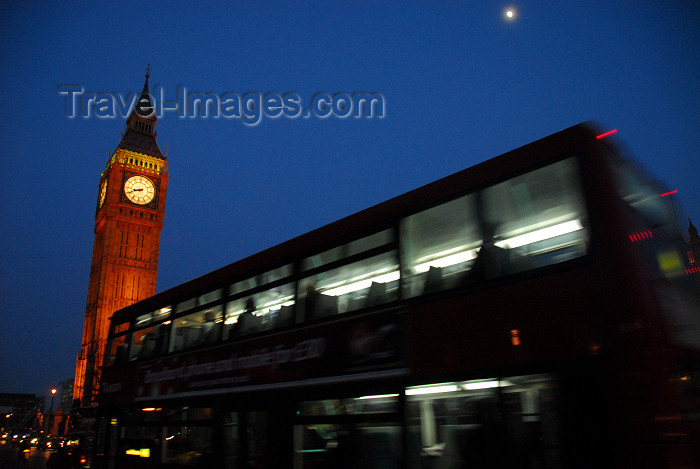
(140, 132)
(144, 106)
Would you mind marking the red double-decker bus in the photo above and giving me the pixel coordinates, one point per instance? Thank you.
(530, 311)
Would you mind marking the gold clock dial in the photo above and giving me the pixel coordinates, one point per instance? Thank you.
(103, 193)
(139, 189)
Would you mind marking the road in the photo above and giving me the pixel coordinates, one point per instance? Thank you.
(36, 459)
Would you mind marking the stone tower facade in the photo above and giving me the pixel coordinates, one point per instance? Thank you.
(128, 221)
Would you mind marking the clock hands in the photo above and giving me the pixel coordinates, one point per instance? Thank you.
(139, 190)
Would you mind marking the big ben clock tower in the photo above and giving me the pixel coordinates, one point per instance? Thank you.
(128, 220)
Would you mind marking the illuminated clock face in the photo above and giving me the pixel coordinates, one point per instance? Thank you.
(103, 192)
(139, 189)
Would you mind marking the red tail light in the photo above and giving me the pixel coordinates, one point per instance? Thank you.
(635, 237)
(605, 134)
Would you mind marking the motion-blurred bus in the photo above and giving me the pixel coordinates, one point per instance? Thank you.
(530, 311)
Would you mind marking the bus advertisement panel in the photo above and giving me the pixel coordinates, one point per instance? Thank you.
(364, 348)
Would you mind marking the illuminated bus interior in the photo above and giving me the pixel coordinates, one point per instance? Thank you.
(450, 424)
(526, 222)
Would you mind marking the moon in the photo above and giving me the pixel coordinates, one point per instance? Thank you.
(509, 14)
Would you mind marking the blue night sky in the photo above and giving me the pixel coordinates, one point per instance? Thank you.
(461, 85)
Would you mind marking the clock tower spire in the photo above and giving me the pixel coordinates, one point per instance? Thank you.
(128, 221)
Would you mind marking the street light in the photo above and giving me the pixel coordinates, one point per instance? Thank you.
(53, 394)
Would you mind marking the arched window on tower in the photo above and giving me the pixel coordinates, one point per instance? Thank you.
(123, 244)
(139, 246)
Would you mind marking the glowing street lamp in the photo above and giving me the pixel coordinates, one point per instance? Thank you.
(53, 394)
